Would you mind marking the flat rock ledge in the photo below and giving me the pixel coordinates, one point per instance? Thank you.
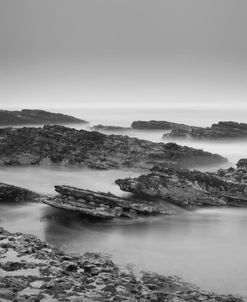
(31, 270)
(60, 145)
(105, 205)
(187, 188)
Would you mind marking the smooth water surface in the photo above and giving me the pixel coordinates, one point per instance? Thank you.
(207, 247)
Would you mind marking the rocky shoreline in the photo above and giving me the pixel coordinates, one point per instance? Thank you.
(31, 270)
(67, 146)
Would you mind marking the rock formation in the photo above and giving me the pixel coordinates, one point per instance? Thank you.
(30, 116)
(62, 145)
(186, 188)
(31, 270)
(105, 205)
(222, 130)
(109, 128)
(158, 125)
(16, 194)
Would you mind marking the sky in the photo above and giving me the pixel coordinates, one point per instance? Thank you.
(140, 53)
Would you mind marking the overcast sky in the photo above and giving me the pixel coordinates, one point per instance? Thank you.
(62, 53)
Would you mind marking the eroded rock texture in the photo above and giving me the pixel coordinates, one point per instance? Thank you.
(31, 270)
(186, 188)
(62, 145)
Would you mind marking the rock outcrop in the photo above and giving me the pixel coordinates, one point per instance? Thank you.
(30, 116)
(62, 145)
(105, 205)
(186, 188)
(235, 175)
(158, 125)
(31, 270)
(106, 128)
(16, 194)
(222, 130)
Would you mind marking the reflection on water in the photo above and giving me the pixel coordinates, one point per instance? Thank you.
(207, 247)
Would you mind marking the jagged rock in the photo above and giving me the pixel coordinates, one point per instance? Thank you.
(109, 128)
(158, 125)
(242, 163)
(14, 193)
(186, 188)
(62, 145)
(236, 175)
(47, 275)
(31, 116)
(222, 130)
(104, 205)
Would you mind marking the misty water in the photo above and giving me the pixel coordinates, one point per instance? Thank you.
(207, 247)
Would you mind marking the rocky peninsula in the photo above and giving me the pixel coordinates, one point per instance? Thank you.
(31, 116)
(67, 146)
(31, 270)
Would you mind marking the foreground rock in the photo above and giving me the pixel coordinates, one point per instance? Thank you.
(68, 146)
(222, 130)
(16, 194)
(31, 270)
(29, 116)
(186, 188)
(105, 205)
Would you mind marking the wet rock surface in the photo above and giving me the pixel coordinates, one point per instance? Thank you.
(16, 194)
(40, 272)
(221, 130)
(67, 146)
(187, 188)
(30, 116)
(106, 205)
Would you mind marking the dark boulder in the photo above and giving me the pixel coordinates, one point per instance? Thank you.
(14, 193)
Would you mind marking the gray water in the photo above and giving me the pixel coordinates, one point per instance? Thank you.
(207, 247)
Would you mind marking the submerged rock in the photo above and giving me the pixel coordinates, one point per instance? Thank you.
(47, 274)
(16, 194)
(68, 146)
(104, 205)
(31, 116)
(186, 188)
(221, 130)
